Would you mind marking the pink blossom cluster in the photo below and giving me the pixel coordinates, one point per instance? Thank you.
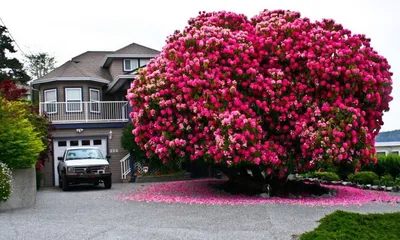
(202, 192)
(276, 90)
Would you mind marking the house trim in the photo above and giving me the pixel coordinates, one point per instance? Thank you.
(66, 102)
(113, 86)
(108, 58)
(90, 125)
(93, 79)
(44, 98)
(73, 138)
(90, 100)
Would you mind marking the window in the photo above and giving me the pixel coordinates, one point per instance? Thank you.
(62, 143)
(381, 153)
(50, 99)
(73, 97)
(130, 64)
(85, 142)
(94, 96)
(395, 152)
(74, 143)
(144, 62)
(97, 142)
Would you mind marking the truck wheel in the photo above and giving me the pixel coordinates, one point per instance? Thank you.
(107, 183)
(60, 183)
(65, 183)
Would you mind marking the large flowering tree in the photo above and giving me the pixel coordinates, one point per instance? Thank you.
(278, 91)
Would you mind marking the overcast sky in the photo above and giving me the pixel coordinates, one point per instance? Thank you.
(67, 28)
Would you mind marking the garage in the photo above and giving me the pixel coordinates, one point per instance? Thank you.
(59, 146)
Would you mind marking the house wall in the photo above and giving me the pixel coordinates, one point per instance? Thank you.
(61, 85)
(116, 68)
(115, 144)
(388, 149)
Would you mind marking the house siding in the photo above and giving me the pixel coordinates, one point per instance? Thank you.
(116, 68)
(114, 143)
(85, 85)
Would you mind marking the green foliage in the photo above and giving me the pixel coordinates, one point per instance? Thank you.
(389, 164)
(40, 64)
(10, 68)
(345, 225)
(329, 176)
(20, 144)
(5, 182)
(129, 144)
(387, 180)
(363, 177)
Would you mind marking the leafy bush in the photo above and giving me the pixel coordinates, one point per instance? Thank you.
(329, 176)
(20, 144)
(363, 177)
(223, 89)
(5, 182)
(387, 180)
(129, 144)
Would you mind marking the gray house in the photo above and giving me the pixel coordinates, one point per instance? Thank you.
(85, 101)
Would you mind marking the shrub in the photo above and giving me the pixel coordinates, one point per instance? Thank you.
(5, 182)
(363, 177)
(387, 180)
(262, 91)
(328, 176)
(20, 144)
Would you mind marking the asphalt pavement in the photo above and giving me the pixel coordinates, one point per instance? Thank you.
(94, 213)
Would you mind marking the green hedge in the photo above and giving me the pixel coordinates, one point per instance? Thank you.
(389, 164)
(329, 176)
(5, 182)
(364, 178)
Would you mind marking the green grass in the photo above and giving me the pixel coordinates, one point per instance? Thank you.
(345, 225)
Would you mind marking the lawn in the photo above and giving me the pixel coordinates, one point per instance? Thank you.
(346, 225)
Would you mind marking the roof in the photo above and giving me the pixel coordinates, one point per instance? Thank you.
(91, 65)
(132, 50)
(390, 136)
(137, 49)
(84, 66)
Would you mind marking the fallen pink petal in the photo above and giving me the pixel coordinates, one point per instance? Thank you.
(202, 192)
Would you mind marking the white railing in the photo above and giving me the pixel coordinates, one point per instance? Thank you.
(81, 112)
(125, 168)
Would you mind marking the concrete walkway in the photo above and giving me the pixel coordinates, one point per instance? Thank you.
(94, 213)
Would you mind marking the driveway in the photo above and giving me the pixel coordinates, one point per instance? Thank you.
(94, 213)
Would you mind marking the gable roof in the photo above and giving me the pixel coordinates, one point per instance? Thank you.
(132, 50)
(90, 65)
(137, 49)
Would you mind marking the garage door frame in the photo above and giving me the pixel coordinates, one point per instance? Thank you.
(92, 137)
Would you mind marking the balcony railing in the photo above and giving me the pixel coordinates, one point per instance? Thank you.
(85, 112)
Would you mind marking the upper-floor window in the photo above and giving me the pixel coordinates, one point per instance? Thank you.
(130, 64)
(50, 99)
(144, 62)
(94, 95)
(73, 98)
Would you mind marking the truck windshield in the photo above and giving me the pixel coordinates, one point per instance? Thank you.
(76, 154)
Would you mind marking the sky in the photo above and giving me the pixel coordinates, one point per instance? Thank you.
(68, 28)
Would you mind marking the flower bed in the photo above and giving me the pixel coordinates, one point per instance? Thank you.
(204, 192)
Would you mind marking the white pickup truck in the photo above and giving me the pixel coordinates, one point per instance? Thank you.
(83, 165)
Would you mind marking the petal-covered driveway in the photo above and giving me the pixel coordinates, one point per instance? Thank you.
(94, 213)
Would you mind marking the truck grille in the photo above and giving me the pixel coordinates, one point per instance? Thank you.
(91, 169)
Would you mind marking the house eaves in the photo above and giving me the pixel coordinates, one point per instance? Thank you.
(93, 79)
(107, 60)
(117, 82)
(387, 144)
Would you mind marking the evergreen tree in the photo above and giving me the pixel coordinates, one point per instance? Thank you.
(10, 68)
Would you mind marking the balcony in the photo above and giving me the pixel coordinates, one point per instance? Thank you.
(85, 112)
